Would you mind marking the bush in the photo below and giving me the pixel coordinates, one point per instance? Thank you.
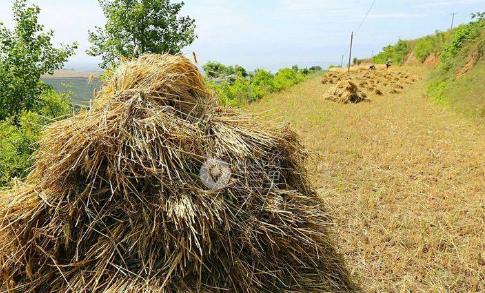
(262, 83)
(460, 36)
(396, 53)
(246, 88)
(286, 78)
(429, 45)
(19, 142)
(215, 69)
(17, 145)
(437, 89)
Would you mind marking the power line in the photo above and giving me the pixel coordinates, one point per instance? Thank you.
(366, 15)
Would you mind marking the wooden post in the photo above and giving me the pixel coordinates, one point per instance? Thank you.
(195, 57)
(452, 20)
(350, 53)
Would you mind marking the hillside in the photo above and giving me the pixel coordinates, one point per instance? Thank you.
(456, 57)
(402, 176)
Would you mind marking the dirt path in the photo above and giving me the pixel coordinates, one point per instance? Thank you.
(405, 180)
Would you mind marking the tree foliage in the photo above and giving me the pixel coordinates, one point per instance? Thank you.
(135, 27)
(18, 140)
(396, 53)
(26, 103)
(234, 86)
(26, 53)
(214, 69)
(459, 37)
(478, 15)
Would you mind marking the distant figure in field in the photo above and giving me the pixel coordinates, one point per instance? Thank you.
(388, 63)
(372, 67)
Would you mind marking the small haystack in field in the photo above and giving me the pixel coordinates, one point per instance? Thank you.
(158, 189)
(346, 92)
(331, 78)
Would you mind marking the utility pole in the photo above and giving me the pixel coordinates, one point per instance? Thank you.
(342, 61)
(350, 53)
(452, 19)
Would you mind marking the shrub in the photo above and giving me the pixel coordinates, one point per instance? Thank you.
(315, 68)
(460, 36)
(396, 53)
(286, 78)
(19, 142)
(245, 88)
(429, 45)
(215, 69)
(262, 83)
(437, 89)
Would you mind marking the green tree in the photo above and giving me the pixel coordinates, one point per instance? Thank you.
(135, 27)
(396, 53)
(26, 53)
(478, 15)
(214, 69)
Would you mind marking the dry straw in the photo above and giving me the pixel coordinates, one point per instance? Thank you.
(346, 92)
(115, 203)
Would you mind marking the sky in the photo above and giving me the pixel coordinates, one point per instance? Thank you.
(270, 34)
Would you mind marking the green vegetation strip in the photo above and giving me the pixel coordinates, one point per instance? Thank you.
(235, 87)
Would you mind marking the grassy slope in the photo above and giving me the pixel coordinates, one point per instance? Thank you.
(466, 94)
(403, 178)
(463, 93)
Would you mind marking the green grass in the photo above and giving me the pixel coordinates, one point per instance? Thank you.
(464, 95)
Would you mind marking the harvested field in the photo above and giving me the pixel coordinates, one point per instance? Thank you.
(404, 178)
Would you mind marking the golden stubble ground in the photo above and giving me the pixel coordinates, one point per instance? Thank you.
(404, 179)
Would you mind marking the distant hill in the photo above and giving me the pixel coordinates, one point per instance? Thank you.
(64, 73)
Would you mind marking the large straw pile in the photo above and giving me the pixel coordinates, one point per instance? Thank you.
(115, 202)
